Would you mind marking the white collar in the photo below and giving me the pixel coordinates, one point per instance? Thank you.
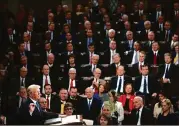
(50, 65)
(33, 100)
(145, 76)
(155, 51)
(141, 109)
(121, 76)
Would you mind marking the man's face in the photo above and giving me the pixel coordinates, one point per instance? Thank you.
(175, 38)
(141, 6)
(137, 104)
(51, 27)
(88, 26)
(167, 59)
(141, 57)
(97, 73)
(120, 71)
(89, 93)
(89, 33)
(129, 36)
(23, 73)
(108, 26)
(73, 92)
(151, 36)
(29, 27)
(23, 93)
(68, 16)
(68, 36)
(112, 45)
(9, 31)
(147, 26)
(47, 46)
(36, 94)
(71, 60)
(95, 60)
(136, 46)
(160, 19)
(51, 59)
(167, 25)
(145, 71)
(70, 47)
(176, 6)
(155, 46)
(91, 48)
(45, 70)
(26, 38)
(111, 34)
(43, 103)
(48, 90)
(158, 7)
(127, 26)
(24, 60)
(66, 29)
(63, 95)
(22, 47)
(176, 49)
(72, 74)
(116, 59)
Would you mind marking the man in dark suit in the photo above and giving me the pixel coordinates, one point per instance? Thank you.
(141, 115)
(128, 45)
(146, 85)
(30, 112)
(144, 33)
(88, 70)
(71, 81)
(137, 67)
(147, 46)
(157, 13)
(90, 106)
(60, 102)
(46, 78)
(118, 82)
(107, 58)
(49, 96)
(74, 98)
(20, 80)
(155, 56)
(167, 74)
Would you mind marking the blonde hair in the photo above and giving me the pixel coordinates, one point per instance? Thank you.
(168, 102)
(32, 87)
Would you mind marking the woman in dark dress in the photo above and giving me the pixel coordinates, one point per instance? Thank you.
(167, 117)
(127, 101)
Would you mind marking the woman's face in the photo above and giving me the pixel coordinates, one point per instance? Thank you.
(161, 97)
(165, 107)
(72, 60)
(103, 121)
(128, 89)
(111, 98)
(101, 88)
(106, 110)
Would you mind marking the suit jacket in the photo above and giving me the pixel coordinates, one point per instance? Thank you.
(37, 117)
(150, 57)
(113, 86)
(65, 84)
(153, 86)
(87, 70)
(135, 69)
(56, 107)
(94, 109)
(76, 103)
(52, 100)
(146, 117)
(112, 69)
(15, 84)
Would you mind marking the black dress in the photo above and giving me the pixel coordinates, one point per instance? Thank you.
(170, 119)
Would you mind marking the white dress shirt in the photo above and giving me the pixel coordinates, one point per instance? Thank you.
(139, 119)
(161, 26)
(134, 57)
(21, 81)
(93, 66)
(142, 84)
(48, 52)
(111, 56)
(141, 64)
(74, 84)
(49, 82)
(155, 52)
(122, 83)
(27, 46)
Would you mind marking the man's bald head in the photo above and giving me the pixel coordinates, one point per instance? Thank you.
(51, 58)
(138, 102)
(97, 73)
(89, 92)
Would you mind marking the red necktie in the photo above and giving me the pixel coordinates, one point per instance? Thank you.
(71, 84)
(155, 59)
(48, 102)
(46, 80)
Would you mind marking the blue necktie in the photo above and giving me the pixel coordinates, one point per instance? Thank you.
(89, 104)
(38, 106)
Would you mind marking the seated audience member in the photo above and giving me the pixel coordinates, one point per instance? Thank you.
(117, 110)
(90, 106)
(101, 94)
(167, 74)
(49, 96)
(127, 101)
(139, 109)
(104, 120)
(75, 99)
(43, 104)
(118, 82)
(173, 42)
(175, 54)
(158, 105)
(68, 109)
(167, 117)
(146, 85)
(60, 102)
